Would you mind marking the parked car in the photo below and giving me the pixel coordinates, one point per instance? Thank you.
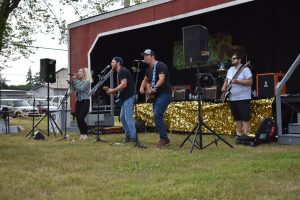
(55, 100)
(10, 108)
(42, 105)
(20, 107)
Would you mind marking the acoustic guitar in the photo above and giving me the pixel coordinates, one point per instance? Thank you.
(226, 94)
(149, 94)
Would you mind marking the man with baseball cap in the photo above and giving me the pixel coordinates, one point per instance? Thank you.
(125, 90)
(157, 77)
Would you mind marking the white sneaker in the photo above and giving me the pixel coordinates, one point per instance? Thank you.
(85, 137)
(81, 137)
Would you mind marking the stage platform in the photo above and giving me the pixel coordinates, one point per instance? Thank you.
(182, 116)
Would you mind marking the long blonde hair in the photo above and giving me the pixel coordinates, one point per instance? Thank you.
(86, 74)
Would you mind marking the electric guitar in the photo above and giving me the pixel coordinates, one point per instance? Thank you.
(226, 94)
(118, 100)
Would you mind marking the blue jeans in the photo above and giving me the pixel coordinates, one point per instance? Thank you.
(126, 118)
(159, 107)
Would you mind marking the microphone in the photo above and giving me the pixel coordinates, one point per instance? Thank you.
(105, 69)
(143, 61)
(69, 82)
(134, 69)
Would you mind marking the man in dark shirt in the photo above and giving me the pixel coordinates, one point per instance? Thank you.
(125, 95)
(157, 78)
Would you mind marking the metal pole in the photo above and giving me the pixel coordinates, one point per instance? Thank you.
(278, 98)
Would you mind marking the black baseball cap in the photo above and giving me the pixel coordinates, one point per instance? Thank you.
(118, 60)
(148, 52)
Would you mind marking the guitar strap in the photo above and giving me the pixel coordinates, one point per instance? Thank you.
(118, 95)
(153, 75)
(237, 72)
(118, 78)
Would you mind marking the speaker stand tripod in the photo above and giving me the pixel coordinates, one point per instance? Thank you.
(50, 119)
(197, 131)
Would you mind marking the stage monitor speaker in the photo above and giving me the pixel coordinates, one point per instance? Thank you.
(47, 70)
(211, 93)
(195, 44)
(181, 94)
(266, 84)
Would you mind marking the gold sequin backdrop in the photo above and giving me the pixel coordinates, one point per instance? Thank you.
(183, 116)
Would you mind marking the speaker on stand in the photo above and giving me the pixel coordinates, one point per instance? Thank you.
(195, 47)
(47, 74)
(47, 70)
(195, 44)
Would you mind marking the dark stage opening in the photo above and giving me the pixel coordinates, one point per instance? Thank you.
(265, 29)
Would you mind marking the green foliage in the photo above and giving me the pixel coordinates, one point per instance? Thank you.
(3, 85)
(19, 87)
(32, 81)
(36, 79)
(29, 78)
(21, 20)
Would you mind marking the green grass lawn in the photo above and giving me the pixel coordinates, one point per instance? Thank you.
(85, 170)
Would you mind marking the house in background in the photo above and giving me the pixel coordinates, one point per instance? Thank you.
(15, 94)
(55, 89)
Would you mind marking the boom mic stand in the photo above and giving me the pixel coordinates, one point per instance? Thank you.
(137, 144)
(95, 92)
(197, 131)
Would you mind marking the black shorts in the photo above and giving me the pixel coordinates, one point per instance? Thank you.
(240, 110)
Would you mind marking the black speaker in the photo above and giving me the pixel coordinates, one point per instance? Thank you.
(266, 84)
(195, 44)
(47, 70)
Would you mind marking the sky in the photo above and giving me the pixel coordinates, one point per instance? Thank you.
(16, 75)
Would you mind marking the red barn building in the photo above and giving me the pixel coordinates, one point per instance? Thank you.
(267, 30)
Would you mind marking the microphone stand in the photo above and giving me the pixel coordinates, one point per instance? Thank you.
(95, 92)
(65, 100)
(98, 139)
(137, 144)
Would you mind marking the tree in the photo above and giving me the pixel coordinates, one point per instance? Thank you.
(127, 3)
(21, 20)
(3, 84)
(29, 78)
(36, 79)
